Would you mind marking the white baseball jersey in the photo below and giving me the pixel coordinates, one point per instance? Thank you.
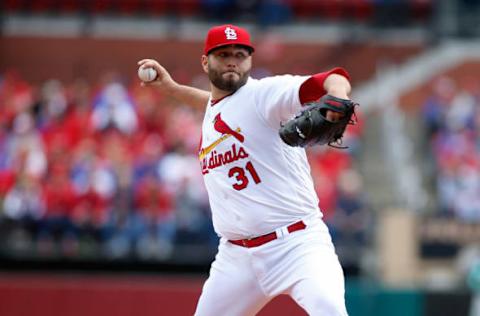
(255, 182)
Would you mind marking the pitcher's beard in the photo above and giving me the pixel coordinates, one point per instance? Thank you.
(229, 84)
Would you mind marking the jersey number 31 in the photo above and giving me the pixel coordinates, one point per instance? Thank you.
(241, 177)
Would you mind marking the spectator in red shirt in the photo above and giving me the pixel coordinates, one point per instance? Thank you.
(57, 225)
(155, 212)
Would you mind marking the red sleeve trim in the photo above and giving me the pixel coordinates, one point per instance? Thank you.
(312, 89)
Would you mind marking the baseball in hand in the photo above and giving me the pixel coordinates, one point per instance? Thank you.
(147, 74)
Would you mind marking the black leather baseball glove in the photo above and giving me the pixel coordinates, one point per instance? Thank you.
(311, 127)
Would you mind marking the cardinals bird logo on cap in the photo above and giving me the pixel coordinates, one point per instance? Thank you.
(230, 33)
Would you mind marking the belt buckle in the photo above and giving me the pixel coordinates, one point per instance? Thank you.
(281, 232)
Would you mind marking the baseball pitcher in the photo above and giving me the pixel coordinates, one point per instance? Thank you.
(264, 206)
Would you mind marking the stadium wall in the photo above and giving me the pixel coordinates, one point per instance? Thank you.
(127, 295)
(41, 58)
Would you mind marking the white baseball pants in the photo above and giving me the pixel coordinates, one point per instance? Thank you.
(302, 264)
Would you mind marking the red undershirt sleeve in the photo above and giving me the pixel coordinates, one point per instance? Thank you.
(312, 89)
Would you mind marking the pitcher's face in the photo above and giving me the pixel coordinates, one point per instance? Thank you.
(228, 67)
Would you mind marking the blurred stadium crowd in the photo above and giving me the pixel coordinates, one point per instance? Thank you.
(109, 170)
(80, 167)
(452, 120)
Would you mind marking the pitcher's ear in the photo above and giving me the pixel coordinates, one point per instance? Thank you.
(204, 61)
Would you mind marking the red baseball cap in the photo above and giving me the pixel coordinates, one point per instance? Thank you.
(227, 34)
